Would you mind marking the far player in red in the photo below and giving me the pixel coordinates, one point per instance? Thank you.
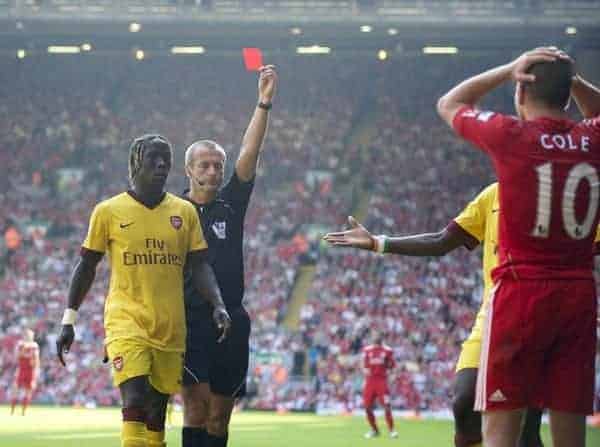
(28, 368)
(378, 360)
(539, 341)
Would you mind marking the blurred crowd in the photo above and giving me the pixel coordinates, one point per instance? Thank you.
(352, 131)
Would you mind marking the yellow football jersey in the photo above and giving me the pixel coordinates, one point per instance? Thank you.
(147, 248)
(480, 220)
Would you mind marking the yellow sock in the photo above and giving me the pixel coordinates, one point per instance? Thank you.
(477, 445)
(133, 434)
(170, 414)
(156, 438)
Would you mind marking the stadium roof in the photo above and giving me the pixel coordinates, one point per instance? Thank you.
(284, 24)
(308, 11)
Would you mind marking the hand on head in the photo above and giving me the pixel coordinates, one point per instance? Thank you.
(521, 65)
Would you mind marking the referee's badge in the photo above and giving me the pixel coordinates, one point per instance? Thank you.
(220, 229)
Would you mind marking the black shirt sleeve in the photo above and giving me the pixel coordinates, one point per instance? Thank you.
(237, 193)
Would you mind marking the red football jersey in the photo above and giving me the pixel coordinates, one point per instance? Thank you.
(377, 360)
(26, 355)
(549, 190)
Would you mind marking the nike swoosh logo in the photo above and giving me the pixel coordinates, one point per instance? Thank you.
(496, 210)
(125, 225)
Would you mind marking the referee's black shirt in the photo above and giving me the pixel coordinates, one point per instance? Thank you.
(223, 226)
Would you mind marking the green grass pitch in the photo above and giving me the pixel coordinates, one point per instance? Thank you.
(70, 427)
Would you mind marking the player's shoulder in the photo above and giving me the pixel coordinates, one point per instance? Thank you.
(180, 204)
(387, 348)
(488, 194)
(368, 348)
(175, 200)
(490, 190)
(489, 116)
(591, 123)
(590, 127)
(112, 202)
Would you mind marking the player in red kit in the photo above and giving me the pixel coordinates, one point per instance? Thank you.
(539, 339)
(28, 368)
(378, 360)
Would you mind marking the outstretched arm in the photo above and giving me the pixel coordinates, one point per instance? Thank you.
(587, 97)
(252, 142)
(427, 244)
(81, 281)
(205, 283)
(470, 92)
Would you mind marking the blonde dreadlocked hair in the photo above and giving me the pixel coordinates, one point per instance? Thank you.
(137, 149)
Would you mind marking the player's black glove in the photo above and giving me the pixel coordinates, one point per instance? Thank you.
(222, 321)
(64, 341)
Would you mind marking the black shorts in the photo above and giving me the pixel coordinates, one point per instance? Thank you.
(224, 366)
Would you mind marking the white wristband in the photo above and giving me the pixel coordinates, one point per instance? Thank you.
(379, 243)
(69, 317)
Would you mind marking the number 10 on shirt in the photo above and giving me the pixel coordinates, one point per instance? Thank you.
(574, 228)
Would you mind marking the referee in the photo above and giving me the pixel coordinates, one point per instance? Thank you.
(215, 370)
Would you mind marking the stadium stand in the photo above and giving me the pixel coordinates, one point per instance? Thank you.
(70, 124)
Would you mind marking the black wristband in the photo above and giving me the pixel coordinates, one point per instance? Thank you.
(265, 105)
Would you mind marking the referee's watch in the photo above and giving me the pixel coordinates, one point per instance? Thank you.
(265, 105)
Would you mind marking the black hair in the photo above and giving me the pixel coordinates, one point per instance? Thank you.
(552, 85)
(139, 146)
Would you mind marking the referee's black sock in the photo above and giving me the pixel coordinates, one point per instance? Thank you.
(194, 437)
(216, 441)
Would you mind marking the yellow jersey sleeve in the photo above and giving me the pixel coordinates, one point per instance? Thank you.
(196, 238)
(97, 235)
(473, 218)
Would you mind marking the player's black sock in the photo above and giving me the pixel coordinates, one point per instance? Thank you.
(216, 441)
(466, 440)
(187, 437)
(530, 431)
(193, 437)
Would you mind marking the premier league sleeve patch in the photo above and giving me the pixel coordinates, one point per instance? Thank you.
(485, 116)
(220, 229)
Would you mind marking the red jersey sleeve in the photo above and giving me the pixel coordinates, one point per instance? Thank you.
(593, 123)
(489, 131)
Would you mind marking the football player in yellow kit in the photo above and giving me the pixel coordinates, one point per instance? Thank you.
(149, 235)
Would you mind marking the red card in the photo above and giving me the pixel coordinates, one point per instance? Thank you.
(252, 58)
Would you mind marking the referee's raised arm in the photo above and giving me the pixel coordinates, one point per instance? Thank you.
(215, 373)
(245, 166)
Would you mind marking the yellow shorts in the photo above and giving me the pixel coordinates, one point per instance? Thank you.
(471, 347)
(469, 354)
(131, 358)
